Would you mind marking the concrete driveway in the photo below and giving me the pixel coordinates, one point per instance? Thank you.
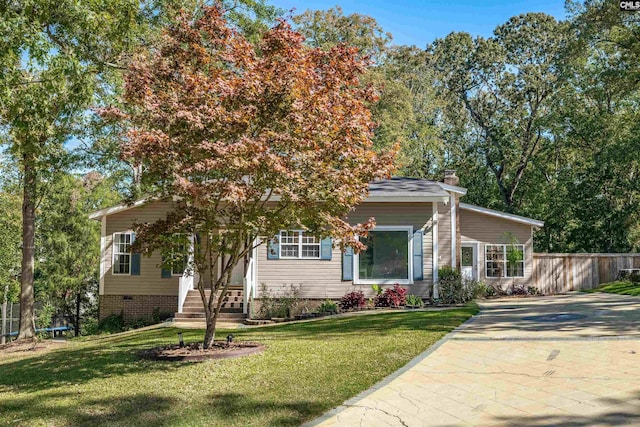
(570, 360)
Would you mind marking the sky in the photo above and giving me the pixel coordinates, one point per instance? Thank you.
(419, 22)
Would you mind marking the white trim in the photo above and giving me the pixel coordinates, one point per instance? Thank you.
(454, 240)
(103, 250)
(406, 199)
(115, 209)
(434, 238)
(300, 244)
(409, 280)
(505, 261)
(503, 215)
(476, 256)
(113, 253)
(453, 188)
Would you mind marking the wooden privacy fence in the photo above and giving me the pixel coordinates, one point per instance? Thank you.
(554, 273)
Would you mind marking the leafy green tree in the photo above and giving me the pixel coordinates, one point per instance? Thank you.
(499, 94)
(10, 240)
(54, 57)
(68, 242)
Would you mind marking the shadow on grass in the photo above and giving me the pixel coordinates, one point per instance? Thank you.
(150, 409)
(230, 406)
(144, 409)
(80, 364)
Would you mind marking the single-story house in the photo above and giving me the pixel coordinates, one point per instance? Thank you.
(421, 226)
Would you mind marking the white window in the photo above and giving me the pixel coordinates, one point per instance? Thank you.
(504, 260)
(122, 253)
(299, 244)
(387, 259)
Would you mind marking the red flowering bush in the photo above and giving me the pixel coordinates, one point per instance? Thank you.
(392, 297)
(352, 300)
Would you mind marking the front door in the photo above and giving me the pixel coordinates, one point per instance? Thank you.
(469, 261)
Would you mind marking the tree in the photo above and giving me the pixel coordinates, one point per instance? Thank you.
(251, 139)
(9, 253)
(500, 93)
(68, 242)
(326, 29)
(54, 58)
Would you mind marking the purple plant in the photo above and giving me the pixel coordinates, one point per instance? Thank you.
(352, 300)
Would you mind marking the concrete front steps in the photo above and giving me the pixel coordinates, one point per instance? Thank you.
(193, 312)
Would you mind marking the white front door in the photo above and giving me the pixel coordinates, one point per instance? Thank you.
(469, 261)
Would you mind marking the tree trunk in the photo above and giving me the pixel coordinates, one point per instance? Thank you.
(27, 320)
(3, 327)
(210, 333)
(78, 300)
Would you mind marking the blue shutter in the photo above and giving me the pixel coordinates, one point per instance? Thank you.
(347, 264)
(135, 259)
(165, 274)
(135, 264)
(273, 249)
(325, 249)
(417, 256)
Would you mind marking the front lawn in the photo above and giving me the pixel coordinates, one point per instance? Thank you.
(621, 287)
(307, 369)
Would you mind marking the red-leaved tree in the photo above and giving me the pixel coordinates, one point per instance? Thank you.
(247, 139)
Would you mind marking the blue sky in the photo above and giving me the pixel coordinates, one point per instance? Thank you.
(419, 22)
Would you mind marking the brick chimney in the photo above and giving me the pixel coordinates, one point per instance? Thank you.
(450, 177)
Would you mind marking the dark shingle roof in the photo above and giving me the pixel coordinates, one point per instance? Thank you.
(406, 187)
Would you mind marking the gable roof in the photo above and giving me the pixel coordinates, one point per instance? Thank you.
(498, 214)
(401, 189)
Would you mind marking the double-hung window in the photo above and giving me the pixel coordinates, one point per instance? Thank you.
(122, 253)
(504, 260)
(299, 245)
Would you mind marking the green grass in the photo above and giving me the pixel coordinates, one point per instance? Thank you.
(621, 287)
(307, 369)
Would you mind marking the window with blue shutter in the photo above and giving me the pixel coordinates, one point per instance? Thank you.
(326, 247)
(347, 264)
(273, 249)
(418, 269)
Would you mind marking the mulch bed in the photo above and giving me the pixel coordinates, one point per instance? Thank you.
(196, 353)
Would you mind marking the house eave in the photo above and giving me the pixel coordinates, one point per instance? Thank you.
(406, 199)
(453, 188)
(97, 215)
(498, 214)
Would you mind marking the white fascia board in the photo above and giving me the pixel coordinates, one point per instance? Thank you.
(389, 199)
(406, 199)
(453, 188)
(97, 215)
(503, 215)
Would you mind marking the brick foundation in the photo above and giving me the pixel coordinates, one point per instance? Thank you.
(136, 306)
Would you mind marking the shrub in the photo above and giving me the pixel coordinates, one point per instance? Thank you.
(456, 290)
(112, 324)
(328, 306)
(392, 297)
(284, 306)
(352, 300)
(414, 301)
(448, 273)
(158, 316)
